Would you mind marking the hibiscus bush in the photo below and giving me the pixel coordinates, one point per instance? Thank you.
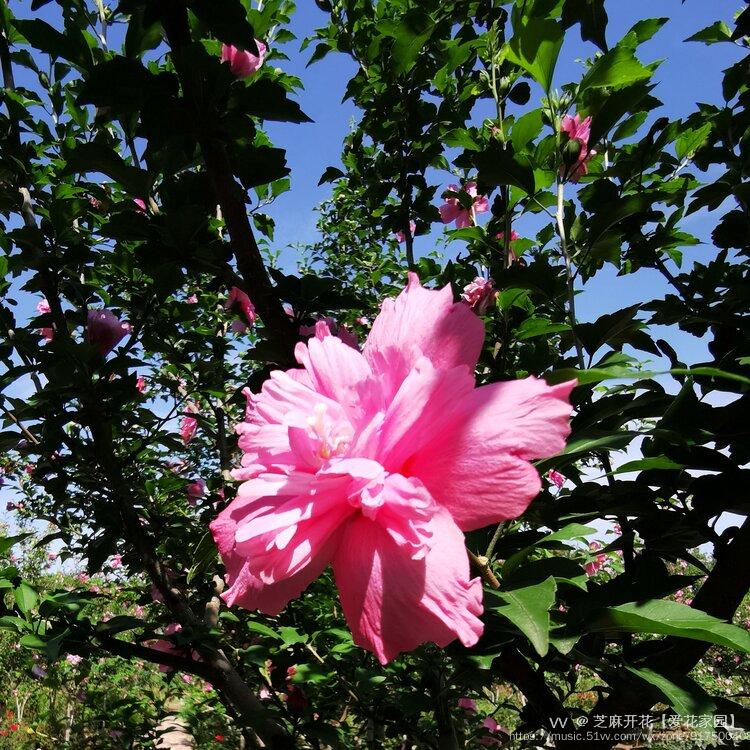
(387, 489)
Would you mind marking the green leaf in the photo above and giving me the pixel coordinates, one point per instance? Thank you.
(615, 69)
(571, 531)
(535, 47)
(291, 636)
(661, 617)
(689, 141)
(71, 45)
(259, 627)
(684, 695)
(227, 21)
(500, 166)
(7, 542)
(525, 129)
(532, 327)
(203, 556)
(528, 609)
(717, 32)
(409, 36)
(592, 16)
(98, 157)
(25, 596)
(646, 464)
(269, 100)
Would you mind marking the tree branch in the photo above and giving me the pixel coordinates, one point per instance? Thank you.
(230, 197)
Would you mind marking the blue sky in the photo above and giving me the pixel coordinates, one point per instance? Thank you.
(691, 73)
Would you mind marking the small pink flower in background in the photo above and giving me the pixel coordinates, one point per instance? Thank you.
(513, 236)
(186, 678)
(95, 203)
(82, 578)
(578, 130)
(166, 646)
(492, 726)
(139, 611)
(140, 384)
(73, 659)
(192, 299)
(377, 462)
(592, 567)
(140, 204)
(452, 210)
(188, 424)
(242, 62)
(195, 491)
(239, 303)
(329, 327)
(618, 530)
(468, 704)
(401, 236)
(94, 589)
(104, 330)
(556, 478)
(116, 562)
(43, 308)
(28, 469)
(51, 556)
(479, 294)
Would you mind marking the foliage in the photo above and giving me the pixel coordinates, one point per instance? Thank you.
(105, 106)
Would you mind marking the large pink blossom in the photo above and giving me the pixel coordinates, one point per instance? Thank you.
(578, 130)
(452, 210)
(242, 62)
(104, 330)
(376, 462)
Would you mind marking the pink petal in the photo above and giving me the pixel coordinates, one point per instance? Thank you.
(478, 467)
(343, 374)
(424, 404)
(481, 204)
(393, 602)
(464, 219)
(449, 211)
(421, 322)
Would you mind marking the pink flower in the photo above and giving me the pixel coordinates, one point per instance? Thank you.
(73, 659)
(578, 130)
(140, 384)
(242, 62)
(139, 611)
(195, 491)
(104, 330)
(556, 478)
(468, 704)
(188, 424)
(513, 236)
(377, 462)
(43, 308)
(452, 210)
(116, 562)
(240, 303)
(492, 726)
(592, 567)
(140, 204)
(329, 327)
(167, 646)
(479, 294)
(192, 299)
(401, 236)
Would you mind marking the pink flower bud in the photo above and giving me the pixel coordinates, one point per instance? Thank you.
(479, 294)
(242, 62)
(104, 330)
